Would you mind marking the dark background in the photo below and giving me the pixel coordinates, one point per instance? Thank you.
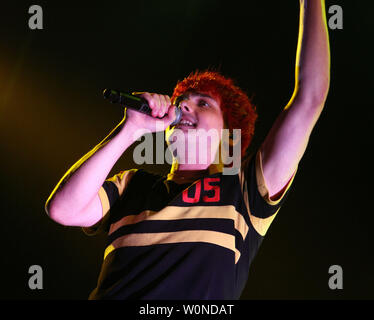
(52, 113)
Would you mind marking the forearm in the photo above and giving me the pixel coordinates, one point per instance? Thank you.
(81, 183)
(312, 72)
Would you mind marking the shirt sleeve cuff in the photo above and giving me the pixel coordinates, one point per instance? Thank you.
(261, 184)
(105, 205)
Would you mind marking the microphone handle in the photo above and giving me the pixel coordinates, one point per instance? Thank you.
(136, 103)
(129, 101)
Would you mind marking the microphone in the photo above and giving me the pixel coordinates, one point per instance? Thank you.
(136, 103)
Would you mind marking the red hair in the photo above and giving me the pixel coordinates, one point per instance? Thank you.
(238, 111)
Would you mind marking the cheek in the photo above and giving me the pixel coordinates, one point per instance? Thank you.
(214, 120)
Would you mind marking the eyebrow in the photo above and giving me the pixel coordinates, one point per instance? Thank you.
(202, 95)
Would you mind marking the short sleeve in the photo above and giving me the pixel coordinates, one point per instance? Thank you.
(261, 208)
(111, 190)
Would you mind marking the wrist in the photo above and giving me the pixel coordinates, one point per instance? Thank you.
(132, 131)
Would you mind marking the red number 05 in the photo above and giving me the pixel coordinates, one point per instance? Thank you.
(207, 187)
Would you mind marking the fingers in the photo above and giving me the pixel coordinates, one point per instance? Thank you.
(158, 103)
(164, 105)
(171, 115)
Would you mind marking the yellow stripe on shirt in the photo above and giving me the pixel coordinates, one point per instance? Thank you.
(146, 239)
(193, 212)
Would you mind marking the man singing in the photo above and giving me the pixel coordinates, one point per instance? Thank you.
(194, 233)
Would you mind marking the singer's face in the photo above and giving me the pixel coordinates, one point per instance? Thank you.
(202, 122)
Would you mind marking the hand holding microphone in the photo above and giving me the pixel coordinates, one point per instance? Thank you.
(144, 108)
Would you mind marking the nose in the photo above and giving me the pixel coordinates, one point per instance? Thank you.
(186, 106)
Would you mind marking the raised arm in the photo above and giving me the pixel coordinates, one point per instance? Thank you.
(287, 140)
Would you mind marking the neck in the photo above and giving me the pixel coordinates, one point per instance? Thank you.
(186, 173)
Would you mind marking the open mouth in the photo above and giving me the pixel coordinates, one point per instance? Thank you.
(187, 122)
